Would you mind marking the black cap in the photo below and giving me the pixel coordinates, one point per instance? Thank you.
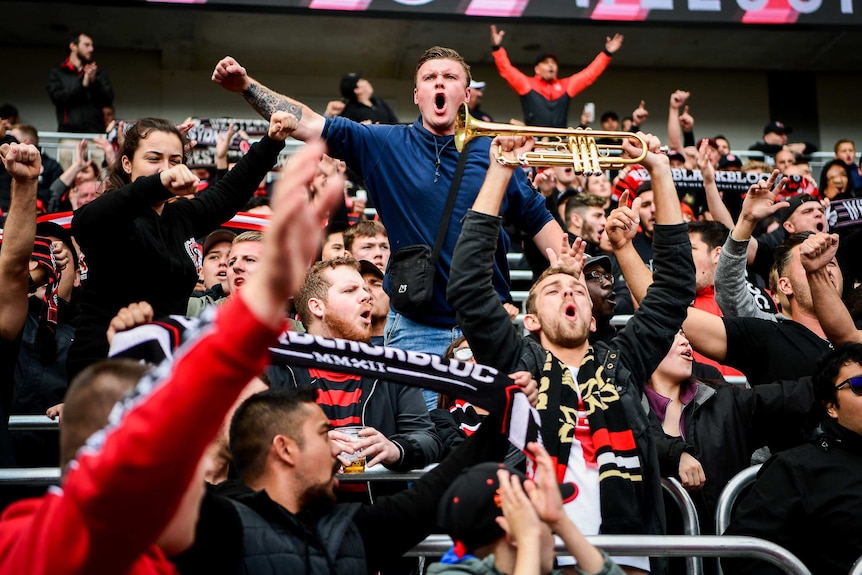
(366, 267)
(601, 260)
(676, 155)
(470, 506)
(776, 127)
(544, 56)
(795, 202)
(729, 161)
(348, 85)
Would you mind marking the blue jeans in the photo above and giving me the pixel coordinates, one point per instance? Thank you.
(406, 334)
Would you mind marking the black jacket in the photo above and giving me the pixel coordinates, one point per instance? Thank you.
(642, 344)
(397, 411)
(79, 108)
(135, 254)
(387, 529)
(725, 424)
(808, 501)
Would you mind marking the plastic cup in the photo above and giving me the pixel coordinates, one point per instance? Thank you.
(357, 459)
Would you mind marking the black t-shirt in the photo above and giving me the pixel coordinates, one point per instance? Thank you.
(766, 351)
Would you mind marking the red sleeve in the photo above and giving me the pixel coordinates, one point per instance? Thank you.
(576, 83)
(124, 487)
(518, 81)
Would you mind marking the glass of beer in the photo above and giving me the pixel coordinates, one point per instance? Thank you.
(356, 459)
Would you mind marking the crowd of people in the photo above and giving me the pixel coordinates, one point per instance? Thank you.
(203, 374)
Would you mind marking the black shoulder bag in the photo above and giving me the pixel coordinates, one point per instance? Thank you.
(412, 268)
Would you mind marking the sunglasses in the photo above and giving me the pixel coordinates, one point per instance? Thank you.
(854, 382)
(466, 354)
(598, 276)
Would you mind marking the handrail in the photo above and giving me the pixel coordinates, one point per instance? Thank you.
(34, 476)
(690, 520)
(33, 423)
(662, 546)
(730, 493)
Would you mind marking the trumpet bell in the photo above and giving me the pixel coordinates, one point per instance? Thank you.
(569, 147)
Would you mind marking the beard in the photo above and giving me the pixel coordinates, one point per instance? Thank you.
(318, 499)
(346, 329)
(565, 334)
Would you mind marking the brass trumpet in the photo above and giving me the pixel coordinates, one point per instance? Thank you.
(565, 146)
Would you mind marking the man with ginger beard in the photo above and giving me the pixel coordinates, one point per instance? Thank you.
(335, 302)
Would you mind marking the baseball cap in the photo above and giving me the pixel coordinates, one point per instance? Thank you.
(729, 161)
(471, 504)
(544, 56)
(676, 155)
(777, 127)
(795, 202)
(366, 267)
(601, 260)
(220, 235)
(477, 85)
(348, 84)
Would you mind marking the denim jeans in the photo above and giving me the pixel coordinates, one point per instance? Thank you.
(406, 334)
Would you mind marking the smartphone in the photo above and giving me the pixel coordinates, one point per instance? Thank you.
(590, 111)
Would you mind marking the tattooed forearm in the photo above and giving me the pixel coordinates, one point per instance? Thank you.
(265, 101)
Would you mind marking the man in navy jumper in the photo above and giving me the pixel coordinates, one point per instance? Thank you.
(409, 170)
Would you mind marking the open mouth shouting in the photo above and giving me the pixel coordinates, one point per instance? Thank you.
(570, 312)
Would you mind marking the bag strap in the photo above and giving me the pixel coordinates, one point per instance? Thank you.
(450, 203)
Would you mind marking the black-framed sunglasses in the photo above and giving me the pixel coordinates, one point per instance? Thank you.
(463, 353)
(598, 276)
(854, 382)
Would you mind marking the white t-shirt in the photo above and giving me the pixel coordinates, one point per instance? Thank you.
(583, 470)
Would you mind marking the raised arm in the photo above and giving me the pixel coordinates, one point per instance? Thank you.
(480, 314)
(517, 80)
(649, 334)
(759, 203)
(576, 83)
(23, 163)
(731, 290)
(714, 203)
(674, 130)
(230, 75)
(128, 482)
(817, 253)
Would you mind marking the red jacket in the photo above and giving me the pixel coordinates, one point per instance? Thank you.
(547, 103)
(127, 482)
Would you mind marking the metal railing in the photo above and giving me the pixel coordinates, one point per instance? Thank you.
(33, 423)
(729, 495)
(32, 476)
(661, 546)
(690, 520)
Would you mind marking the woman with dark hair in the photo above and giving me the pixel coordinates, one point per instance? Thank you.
(836, 181)
(706, 431)
(139, 244)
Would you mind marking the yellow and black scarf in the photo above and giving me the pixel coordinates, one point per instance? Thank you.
(620, 474)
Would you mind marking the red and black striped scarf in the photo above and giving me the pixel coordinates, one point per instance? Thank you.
(620, 473)
(46, 344)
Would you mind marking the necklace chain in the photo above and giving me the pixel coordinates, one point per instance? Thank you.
(438, 151)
